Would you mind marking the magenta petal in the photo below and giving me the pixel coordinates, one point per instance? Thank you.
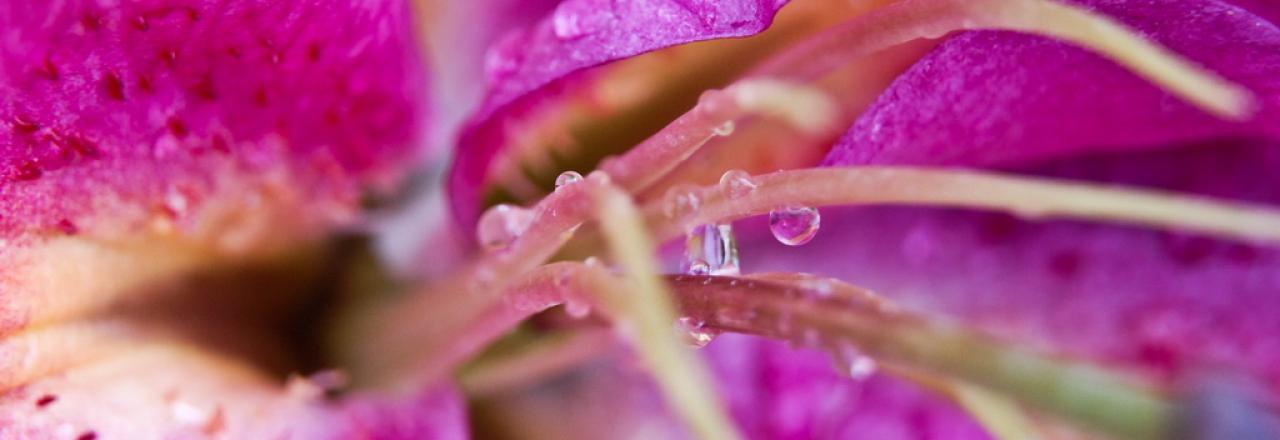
(1173, 305)
(778, 393)
(1169, 303)
(124, 103)
(586, 33)
(997, 98)
(527, 64)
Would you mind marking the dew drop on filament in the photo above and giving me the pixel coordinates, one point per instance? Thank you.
(725, 129)
(694, 332)
(568, 178)
(737, 184)
(711, 250)
(698, 267)
(862, 368)
(501, 225)
(681, 200)
(794, 226)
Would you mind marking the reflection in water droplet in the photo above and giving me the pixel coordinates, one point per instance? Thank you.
(725, 129)
(681, 200)
(794, 226)
(711, 250)
(737, 184)
(568, 178)
(501, 225)
(694, 332)
(698, 267)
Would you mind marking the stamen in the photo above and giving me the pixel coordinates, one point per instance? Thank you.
(829, 314)
(806, 107)
(387, 340)
(645, 309)
(915, 19)
(1025, 196)
(834, 316)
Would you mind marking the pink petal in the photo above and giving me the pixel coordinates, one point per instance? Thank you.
(1170, 304)
(529, 65)
(154, 393)
(126, 103)
(775, 392)
(995, 98)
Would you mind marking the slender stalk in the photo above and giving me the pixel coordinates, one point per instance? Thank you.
(1030, 197)
(643, 307)
(915, 19)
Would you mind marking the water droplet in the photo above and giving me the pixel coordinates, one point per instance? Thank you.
(681, 200)
(794, 226)
(862, 367)
(566, 23)
(577, 309)
(592, 261)
(698, 267)
(725, 129)
(568, 178)
(501, 225)
(737, 184)
(851, 362)
(695, 332)
(712, 250)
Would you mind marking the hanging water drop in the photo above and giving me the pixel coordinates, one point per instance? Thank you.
(712, 250)
(681, 200)
(501, 225)
(568, 178)
(698, 267)
(725, 129)
(737, 184)
(862, 368)
(694, 332)
(794, 226)
(851, 362)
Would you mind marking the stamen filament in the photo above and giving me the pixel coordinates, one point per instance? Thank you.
(806, 107)
(644, 308)
(386, 339)
(915, 19)
(1087, 395)
(1026, 196)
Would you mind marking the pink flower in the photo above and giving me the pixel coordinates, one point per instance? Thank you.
(1079, 218)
